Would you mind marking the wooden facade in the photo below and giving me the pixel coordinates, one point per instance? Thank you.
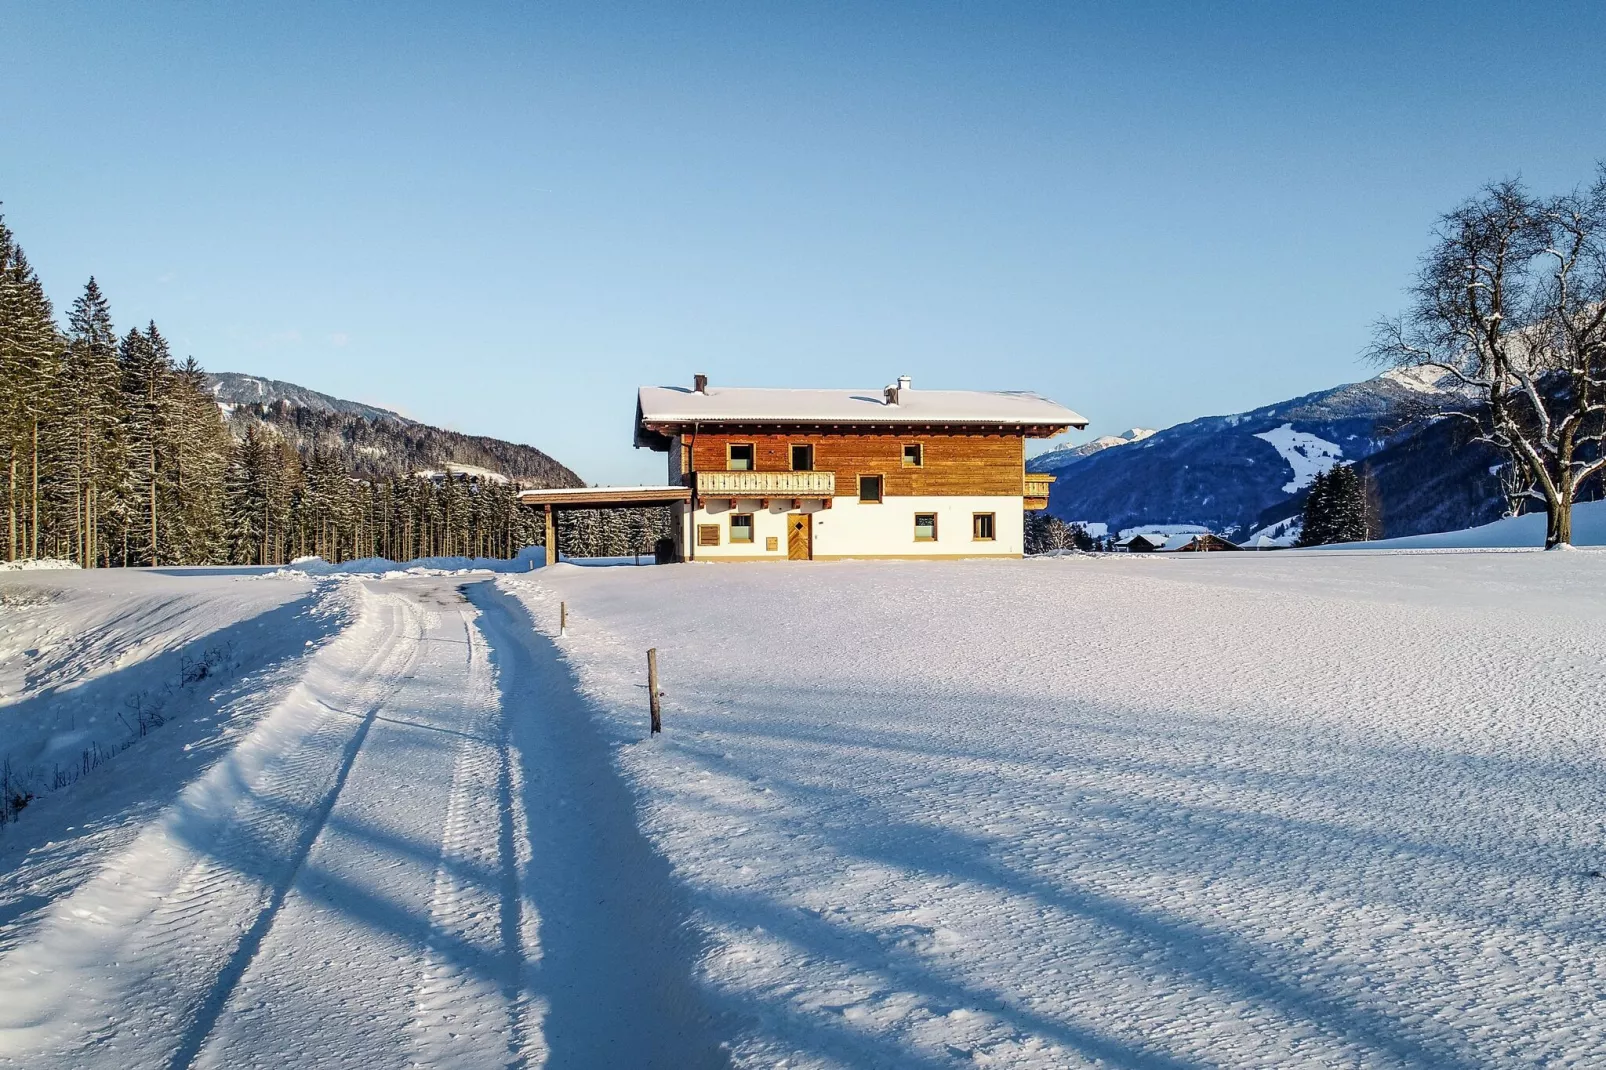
(952, 463)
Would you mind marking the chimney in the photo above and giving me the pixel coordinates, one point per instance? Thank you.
(699, 384)
(894, 393)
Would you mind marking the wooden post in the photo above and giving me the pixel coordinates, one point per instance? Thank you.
(551, 537)
(563, 619)
(652, 689)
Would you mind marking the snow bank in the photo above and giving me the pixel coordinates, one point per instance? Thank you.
(1033, 815)
(1517, 532)
(93, 659)
(29, 564)
(531, 557)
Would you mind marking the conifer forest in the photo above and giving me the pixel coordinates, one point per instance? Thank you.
(116, 453)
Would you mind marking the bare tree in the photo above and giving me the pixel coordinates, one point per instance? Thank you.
(1511, 302)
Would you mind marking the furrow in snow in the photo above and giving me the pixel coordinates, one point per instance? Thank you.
(125, 965)
(461, 1017)
(398, 941)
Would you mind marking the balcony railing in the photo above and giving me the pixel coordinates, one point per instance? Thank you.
(1037, 485)
(766, 484)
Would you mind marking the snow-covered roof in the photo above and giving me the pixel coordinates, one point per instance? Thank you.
(663, 408)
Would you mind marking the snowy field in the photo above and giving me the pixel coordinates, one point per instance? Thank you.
(1319, 809)
(1215, 810)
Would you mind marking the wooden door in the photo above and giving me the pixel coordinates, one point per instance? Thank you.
(800, 536)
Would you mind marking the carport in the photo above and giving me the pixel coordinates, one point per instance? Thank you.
(555, 498)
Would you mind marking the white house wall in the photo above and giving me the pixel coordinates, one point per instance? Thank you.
(851, 528)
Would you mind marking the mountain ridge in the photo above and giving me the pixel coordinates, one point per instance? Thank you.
(240, 388)
(373, 442)
(1241, 473)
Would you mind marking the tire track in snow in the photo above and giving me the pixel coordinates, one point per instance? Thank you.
(126, 961)
(396, 649)
(401, 940)
(459, 1017)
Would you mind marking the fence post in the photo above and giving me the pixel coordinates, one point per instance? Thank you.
(563, 619)
(652, 689)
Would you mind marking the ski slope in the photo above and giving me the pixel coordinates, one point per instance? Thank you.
(1250, 810)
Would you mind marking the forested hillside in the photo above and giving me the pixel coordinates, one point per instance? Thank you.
(117, 454)
(377, 447)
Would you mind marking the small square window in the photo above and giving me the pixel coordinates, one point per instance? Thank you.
(914, 455)
(739, 457)
(741, 527)
(870, 489)
(925, 527)
(981, 527)
(802, 457)
(707, 534)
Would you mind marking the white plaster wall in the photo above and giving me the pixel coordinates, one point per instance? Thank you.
(767, 523)
(854, 529)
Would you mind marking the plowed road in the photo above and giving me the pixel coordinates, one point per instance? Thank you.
(417, 856)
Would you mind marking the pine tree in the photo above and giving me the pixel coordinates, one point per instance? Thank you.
(1335, 510)
(200, 448)
(1347, 502)
(147, 370)
(92, 445)
(1316, 518)
(30, 367)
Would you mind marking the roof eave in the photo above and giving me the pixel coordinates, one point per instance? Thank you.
(660, 427)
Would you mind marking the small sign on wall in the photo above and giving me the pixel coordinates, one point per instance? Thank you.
(772, 543)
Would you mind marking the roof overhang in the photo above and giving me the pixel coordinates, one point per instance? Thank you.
(657, 434)
(665, 412)
(604, 497)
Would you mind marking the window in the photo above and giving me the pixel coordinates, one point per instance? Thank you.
(741, 527)
(707, 534)
(802, 457)
(870, 489)
(925, 527)
(914, 455)
(981, 527)
(739, 457)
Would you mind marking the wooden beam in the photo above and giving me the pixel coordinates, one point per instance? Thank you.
(551, 538)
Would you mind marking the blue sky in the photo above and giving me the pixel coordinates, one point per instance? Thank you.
(502, 219)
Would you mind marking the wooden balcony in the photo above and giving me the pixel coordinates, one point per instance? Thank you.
(764, 485)
(1037, 484)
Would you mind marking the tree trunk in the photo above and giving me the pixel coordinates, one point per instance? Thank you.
(33, 525)
(11, 504)
(1559, 518)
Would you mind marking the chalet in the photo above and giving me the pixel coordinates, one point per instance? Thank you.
(1142, 543)
(1206, 543)
(771, 474)
(1148, 542)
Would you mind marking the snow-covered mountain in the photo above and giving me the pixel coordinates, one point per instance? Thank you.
(1060, 457)
(1242, 474)
(236, 388)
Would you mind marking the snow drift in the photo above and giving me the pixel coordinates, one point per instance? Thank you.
(1517, 532)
